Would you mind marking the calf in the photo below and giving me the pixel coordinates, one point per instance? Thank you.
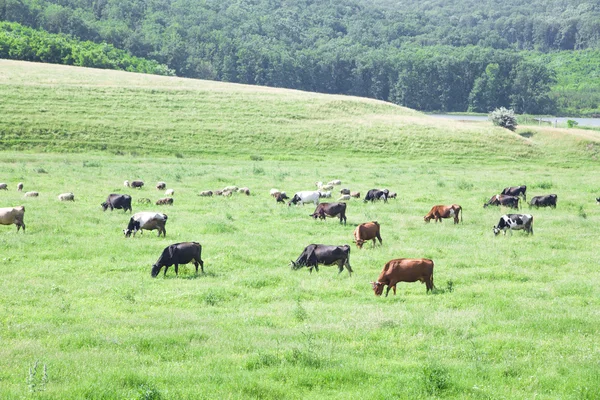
(503, 200)
(137, 184)
(32, 194)
(161, 185)
(344, 197)
(3, 186)
(404, 270)
(118, 201)
(281, 197)
(356, 195)
(305, 197)
(206, 193)
(543, 201)
(20, 187)
(344, 191)
(315, 254)
(367, 231)
(13, 215)
(244, 190)
(514, 222)
(146, 220)
(324, 210)
(439, 212)
(179, 253)
(335, 182)
(66, 197)
(165, 201)
(516, 191)
(169, 192)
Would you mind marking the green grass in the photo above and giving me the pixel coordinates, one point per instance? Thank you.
(513, 317)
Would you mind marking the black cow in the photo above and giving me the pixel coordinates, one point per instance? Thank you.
(514, 222)
(516, 191)
(324, 210)
(117, 201)
(543, 201)
(502, 200)
(377, 194)
(179, 253)
(281, 197)
(315, 254)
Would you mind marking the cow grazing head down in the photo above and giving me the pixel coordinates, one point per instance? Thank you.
(514, 222)
(179, 253)
(377, 288)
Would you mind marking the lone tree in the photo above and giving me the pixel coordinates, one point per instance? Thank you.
(504, 118)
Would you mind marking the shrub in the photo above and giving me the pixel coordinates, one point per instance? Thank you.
(504, 118)
(571, 123)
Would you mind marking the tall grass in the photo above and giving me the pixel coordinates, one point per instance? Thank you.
(512, 317)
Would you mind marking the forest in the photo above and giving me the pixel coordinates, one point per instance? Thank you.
(450, 56)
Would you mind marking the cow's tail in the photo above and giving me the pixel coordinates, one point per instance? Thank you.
(461, 215)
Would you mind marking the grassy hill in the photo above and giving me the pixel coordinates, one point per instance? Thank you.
(513, 316)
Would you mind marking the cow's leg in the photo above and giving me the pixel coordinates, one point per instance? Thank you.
(394, 287)
(176, 269)
(348, 267)
(388, 290)
(166, 268)
(340, 265)
(201, 265)
(196, 265)
(378, 237)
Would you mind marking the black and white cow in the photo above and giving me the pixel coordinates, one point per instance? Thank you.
(305, 197)
(146, 220)
(117, 201)
(544, 201)
(514, 222)
(377, 194)
(315, 254)
(516, 191)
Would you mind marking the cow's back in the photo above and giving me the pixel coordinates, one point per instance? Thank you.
(406, 270)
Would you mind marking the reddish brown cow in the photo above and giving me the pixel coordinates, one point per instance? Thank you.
(404, 270)
(367, 231)
(439, 212)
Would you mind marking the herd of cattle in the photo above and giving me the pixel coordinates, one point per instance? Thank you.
(313, 255)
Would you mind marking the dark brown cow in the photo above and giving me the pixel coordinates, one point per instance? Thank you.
(516, 191)
(503, 200)
(404, 270)
(324, 210)
(439, 212)
(543, 201)
(137, 184)
(367, 231)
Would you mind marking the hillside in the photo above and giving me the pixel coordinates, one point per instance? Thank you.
(72, 109)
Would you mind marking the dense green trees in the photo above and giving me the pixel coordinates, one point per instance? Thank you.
(447, 55)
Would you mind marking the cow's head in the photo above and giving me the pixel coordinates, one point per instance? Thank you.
(496, 230)
(155, 270)
(359, 243)
(377, 288)
(104, 206)
(598, 200)
(294, 200)
(427, 218)
(295, 265)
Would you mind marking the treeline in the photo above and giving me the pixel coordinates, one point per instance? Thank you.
(18, 42)
(443, 55)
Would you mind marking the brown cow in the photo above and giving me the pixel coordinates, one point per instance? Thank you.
(404, 270)
(439, 212)
(165, 201)
(367, 231)
(355, 194)
(13, 215)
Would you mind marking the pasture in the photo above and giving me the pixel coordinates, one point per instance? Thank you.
(512, 317)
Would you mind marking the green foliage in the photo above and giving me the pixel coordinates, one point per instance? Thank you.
(572, 123)
(504, 118)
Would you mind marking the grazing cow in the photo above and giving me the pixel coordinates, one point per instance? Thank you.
(20, 187)
(230, 189)
(32, 194)
(404, 270)
(392, 195)
(206, 193)
(503, 200)
(305, 197)
(356, 195)
(516, 191)
(169, 192)
(367, 231)
(439, 212)
(66, 197)
(227, 193)
(514, 222)
(179, 253)
(377, 194)
(146, 220)
(326, 194)
(137, 184)
(244, 190)
(315, 254)
(344, 197)
(543, 201)
(344, 191)
(13, 215)
(126, 184)
(118, 201)
(326, 187)
(324, 210)
(144, 200)
(3, 186)
(335, 182)
(218, 193)
(161, 185)
(165, 201)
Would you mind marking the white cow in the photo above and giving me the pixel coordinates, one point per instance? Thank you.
(146, 220)
(169, 192)
(344, 197)
(305, 197)
(13, 215)
(32, 194)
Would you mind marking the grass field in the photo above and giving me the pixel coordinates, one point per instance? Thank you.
(512, 317)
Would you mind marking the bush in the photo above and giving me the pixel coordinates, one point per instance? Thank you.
(572, 123)
(504, 118)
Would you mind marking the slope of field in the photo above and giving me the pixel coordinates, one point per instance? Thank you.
(512, 317)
